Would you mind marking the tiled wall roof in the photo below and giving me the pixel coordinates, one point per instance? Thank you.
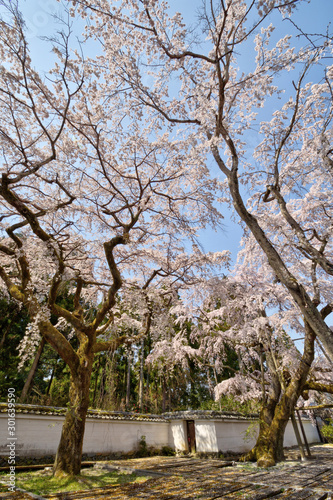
(99, 414)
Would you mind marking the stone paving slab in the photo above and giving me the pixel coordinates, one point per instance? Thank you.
(202, 479)
(304, 494)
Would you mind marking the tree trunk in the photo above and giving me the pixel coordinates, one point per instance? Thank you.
(216, 382)
(297, 291)
(28, 384)
(163, 394)
(142, 360)
(128, 381)
(275, 415)
(169, 398)
(272, 424)
(69, 454)
(52, 376)
(96, 381)
(309, 310)
(147, 385)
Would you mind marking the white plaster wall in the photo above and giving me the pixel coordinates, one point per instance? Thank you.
(36, 434)
(105, 436)
(206, 436)
(177, 435)
(310, 432)
(230, 435)
(39, 435)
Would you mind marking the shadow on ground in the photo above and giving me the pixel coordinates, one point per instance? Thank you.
(204, 479)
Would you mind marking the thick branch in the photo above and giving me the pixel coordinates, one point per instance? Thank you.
(59, 343)
(22, 209)
(312, 251)
(110, 345)
(317, 386)
(296, 290)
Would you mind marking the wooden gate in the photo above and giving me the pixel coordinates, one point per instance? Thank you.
(190, 426)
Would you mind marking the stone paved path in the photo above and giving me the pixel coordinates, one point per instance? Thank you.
(199, 479)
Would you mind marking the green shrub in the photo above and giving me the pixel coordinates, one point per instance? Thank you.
(167, 451)
(143, 448)
(327, 431)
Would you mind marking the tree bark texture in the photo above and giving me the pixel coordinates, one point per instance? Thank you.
(69, 454)
(276, 412)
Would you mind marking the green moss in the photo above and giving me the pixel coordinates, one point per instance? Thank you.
(42, 482)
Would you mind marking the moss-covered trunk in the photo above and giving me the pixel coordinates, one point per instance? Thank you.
(69, 454)
(276, 412)
(273, 421)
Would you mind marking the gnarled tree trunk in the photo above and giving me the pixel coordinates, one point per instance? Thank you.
(273, 421)
(275, 413)
(69, 454)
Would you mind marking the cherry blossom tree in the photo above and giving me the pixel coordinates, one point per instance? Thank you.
(272, 146)
(272, 370)
(89, 198)
(189, 81)
(289, 370)
(253, 318)
(148, 306)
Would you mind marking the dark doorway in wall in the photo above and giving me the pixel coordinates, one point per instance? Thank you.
(191, 435)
